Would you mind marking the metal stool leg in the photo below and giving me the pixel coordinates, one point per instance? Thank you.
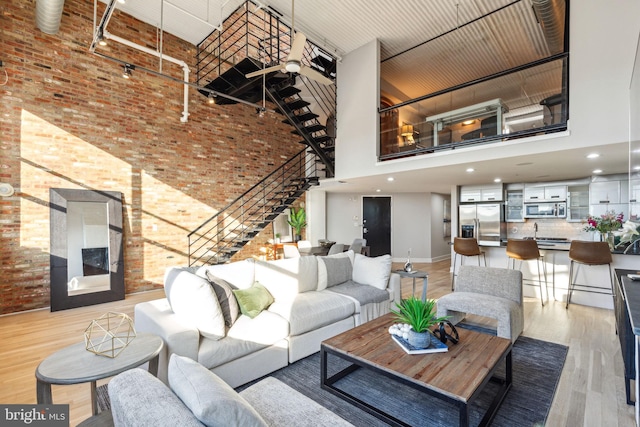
(570, 284)
(540, 281)
(453, 276)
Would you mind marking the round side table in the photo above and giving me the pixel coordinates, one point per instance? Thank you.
(75, 365)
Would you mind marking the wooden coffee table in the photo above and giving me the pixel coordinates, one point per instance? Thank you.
(457, 376)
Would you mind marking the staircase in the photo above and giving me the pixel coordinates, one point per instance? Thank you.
(227, 232)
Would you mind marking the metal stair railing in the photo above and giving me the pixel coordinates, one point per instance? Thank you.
(217, 239)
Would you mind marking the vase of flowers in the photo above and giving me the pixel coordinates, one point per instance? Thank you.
(605, 224)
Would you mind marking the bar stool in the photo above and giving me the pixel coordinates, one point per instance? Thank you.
(527, 250)
(465, 247)
(590, 254)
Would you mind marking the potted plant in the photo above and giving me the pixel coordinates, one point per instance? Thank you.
(297, 220)
(421, 316)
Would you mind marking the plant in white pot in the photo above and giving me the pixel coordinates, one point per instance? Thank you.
(421, 316)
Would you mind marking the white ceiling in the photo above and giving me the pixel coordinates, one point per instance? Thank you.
(341, 26)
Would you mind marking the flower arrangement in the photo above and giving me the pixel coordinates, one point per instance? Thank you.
(629, 233)
(605, 223)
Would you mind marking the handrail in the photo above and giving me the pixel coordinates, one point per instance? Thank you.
(263, 180)
(252, 211)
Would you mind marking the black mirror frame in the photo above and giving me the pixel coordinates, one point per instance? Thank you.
(58, 199)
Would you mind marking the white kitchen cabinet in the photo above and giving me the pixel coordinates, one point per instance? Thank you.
(479, 193)
(514, 205)
(470, 193)
(533, 194)
(577, 203)
(491, 194)
(555, 192)
(603, 192)
(539, 193)
(600, 209)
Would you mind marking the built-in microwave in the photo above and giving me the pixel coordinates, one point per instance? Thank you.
(545, 210)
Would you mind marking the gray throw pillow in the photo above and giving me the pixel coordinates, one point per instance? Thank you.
(227, 300)
(339, 270)
(210, 399)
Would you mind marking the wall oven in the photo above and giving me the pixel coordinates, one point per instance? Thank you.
(545, 210)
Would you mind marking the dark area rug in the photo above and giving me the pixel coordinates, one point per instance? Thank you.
(537, 366)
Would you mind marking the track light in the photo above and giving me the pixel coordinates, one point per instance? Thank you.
(261, 112)
(211, 98)
(127, 70)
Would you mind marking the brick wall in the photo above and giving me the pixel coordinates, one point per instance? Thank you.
(69, 120)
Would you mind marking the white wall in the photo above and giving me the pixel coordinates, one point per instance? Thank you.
(357, 112)
(416, 223)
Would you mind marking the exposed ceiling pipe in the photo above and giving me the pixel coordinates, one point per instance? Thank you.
(185, 67)
(49, 15)
(550, 14)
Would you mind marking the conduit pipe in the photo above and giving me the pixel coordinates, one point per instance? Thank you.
(49, 15)
(185, 67)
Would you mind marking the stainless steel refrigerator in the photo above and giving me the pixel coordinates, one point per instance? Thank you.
(484, 221)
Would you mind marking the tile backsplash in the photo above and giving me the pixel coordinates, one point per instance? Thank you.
(551, 227)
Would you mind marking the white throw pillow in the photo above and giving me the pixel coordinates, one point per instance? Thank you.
(211, 400)
(322, 268)
(286, 278)
(193, 300)
(372, 271)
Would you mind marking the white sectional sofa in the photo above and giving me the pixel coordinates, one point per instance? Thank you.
(307, 300)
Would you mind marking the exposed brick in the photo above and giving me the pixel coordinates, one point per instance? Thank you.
(68, 120)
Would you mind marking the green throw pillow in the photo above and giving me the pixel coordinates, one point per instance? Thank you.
(253, 300)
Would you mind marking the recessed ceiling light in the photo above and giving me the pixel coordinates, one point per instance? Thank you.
(497, 180)
(597, 171)
(469, 170)
(377, 190)
(593, 156)
(390, 179)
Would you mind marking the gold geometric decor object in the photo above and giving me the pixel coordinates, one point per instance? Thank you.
(109, 334)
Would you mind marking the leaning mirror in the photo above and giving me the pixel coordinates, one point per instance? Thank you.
(86, 262)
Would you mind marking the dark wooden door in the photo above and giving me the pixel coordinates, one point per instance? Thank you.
(376, 219)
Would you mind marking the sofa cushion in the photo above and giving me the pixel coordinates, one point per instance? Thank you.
(240, 274)
(246, 336)
(226, 299)
(372, 271)
(313, 310)
(364, 294)
(136, 395)
(285, 278)
(210, 399)
(253, 300)
(193, 300)
(333, 270)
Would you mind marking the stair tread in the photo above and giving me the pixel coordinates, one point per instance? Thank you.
(316, 127)
(297, 104)
(301, 118)
(288, 91)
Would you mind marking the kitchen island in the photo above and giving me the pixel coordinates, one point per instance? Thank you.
(556, 259)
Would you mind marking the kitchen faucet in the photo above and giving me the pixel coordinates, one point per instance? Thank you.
(535, 229)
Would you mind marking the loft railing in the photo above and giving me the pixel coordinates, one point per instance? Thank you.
(447, 119)
(226, 232)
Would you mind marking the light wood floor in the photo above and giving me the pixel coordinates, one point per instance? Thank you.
(590, 391)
